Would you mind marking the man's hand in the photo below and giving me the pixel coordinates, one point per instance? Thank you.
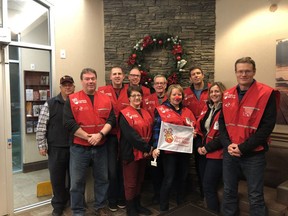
(43, 152)
(233, 150)
(94, 139)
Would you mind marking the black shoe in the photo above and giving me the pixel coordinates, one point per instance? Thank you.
(121, 204)
(112, 207)
(156, 200)
(57, 212)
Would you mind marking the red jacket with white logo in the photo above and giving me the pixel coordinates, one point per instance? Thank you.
(90, 118)
(151, 102)
(141, 124)
(118, 103)
(242, 118)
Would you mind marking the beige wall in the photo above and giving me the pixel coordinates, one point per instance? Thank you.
(79, 30)
(248, 28)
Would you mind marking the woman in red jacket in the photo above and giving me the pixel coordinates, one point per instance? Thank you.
(135, 133)
(174, 164)
(208, 130)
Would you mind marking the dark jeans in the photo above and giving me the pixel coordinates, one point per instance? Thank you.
(157, 175)
(115, 173)
(81, 158)
(58, 165)
(211, 181)
(253, 169)
(175, 165)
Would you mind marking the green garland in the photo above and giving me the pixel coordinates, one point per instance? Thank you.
(152, 42)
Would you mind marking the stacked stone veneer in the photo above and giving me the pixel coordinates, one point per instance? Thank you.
(127, 21)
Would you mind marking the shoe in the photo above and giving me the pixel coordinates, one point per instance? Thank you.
(112, 207)
(102, 212)
(57, 212)
(121, 204)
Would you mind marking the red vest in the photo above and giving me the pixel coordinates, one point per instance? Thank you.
(151, 102)
(90, 118)
(118, 103)
(242, 118)
(141, 124)
(212, 133)
(191, 101)
(169, 115)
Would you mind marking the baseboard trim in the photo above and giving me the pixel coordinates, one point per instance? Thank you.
(39, 165)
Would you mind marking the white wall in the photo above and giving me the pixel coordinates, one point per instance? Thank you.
(248, 28)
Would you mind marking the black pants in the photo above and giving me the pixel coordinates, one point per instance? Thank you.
(58, 165)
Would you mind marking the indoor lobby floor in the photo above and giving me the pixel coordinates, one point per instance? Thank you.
(25, 194)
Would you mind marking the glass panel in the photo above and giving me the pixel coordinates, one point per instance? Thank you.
(24, 148)
(29, 20)
(1, 15)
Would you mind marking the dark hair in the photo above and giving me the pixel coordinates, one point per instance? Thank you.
(134, 88)
(87, 70)
(247, 60)
(193, 68)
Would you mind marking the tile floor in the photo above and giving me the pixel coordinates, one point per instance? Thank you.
(25, 194)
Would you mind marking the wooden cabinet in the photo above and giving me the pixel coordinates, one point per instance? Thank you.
(37, 92)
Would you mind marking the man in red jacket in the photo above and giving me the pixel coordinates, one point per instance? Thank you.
(134, 80)
(246, 122)
(89, 116)
(118, 95)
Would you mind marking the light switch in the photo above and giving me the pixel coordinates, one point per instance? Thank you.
(63, 54)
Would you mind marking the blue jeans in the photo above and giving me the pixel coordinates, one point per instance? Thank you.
(116, 183)
(80, 159)
(253, 169)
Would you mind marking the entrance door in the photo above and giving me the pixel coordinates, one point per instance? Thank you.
(30, 48)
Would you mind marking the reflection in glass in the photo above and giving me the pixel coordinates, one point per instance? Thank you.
(28, 20)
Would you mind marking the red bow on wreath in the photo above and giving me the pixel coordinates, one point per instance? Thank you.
(172, 79)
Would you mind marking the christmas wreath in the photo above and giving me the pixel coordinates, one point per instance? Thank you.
(152, 42)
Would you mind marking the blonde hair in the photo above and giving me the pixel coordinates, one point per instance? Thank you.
(174, 86)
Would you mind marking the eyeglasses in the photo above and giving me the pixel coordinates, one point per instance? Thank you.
(134, 96)
(242, 72)
(134, 75)
(159, 83)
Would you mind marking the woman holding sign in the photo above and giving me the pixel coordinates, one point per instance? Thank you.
(135, 133)
(176, 160)
(208, 130)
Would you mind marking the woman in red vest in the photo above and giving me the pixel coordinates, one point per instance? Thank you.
(210, 145)
(174, 164)
(135, 133)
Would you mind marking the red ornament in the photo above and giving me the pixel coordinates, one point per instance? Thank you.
(160, 42)
(134, 55)
(178, 58)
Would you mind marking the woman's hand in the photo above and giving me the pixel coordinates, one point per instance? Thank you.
(202, 150)
(156, 153)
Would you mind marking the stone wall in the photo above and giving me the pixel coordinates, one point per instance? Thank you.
(128, 21)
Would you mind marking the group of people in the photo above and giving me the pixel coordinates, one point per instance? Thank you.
(116, 131)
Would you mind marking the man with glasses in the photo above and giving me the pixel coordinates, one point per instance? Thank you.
(150, 103)
(134, 78)
(89, 116)
(53, 139)
(246, 122)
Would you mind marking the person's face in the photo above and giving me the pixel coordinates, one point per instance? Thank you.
(175, 97)
(160, 85)
(134, 77)
(117, 76)
(196, 77)
(67, 88)
(215, 94)
(135, 99)
(245, 75)
(89, 81)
